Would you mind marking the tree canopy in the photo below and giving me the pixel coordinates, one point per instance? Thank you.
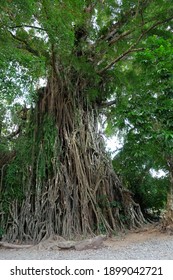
(147, 118)
(99, 60)
(91, 36)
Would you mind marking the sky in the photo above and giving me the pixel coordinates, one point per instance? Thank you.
(113, 144)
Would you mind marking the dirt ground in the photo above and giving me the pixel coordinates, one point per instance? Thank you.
(145, 243)
(148, 232)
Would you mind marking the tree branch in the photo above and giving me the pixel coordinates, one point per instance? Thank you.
(158, 23)
(26, 45)
(27, 26)
(117, 38)
(132, 49)
(107, 104)
(120, 57)
(115, 27)
(125, 18)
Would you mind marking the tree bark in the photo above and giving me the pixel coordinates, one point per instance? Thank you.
(167, 222)
(70, 186)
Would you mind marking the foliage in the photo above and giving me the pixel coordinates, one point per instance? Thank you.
(134, 163)
(85, 52)
(145, 115)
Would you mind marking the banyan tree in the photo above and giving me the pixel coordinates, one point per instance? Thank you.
(57, 176)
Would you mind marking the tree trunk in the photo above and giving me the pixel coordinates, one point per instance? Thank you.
(167, 222)
(69, 183)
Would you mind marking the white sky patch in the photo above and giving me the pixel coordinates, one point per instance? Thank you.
(113, 145)
(158, 173)
(42, 82)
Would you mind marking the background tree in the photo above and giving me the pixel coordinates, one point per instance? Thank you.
(135, 163)
(61, 179)
(147, 115)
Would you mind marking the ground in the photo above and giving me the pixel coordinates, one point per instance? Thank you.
(148, 232)
(145, 243)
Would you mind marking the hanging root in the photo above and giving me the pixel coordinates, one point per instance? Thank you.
(70, 188)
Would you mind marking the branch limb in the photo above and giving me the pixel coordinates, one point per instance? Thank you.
(114, 28)
(26, 45)
(120, 57)
(125, 18)
(131, 49)
(107, 104)
(158, 23)
(117, 38)
(27, 26)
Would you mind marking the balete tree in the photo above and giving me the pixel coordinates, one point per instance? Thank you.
(58, 177)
